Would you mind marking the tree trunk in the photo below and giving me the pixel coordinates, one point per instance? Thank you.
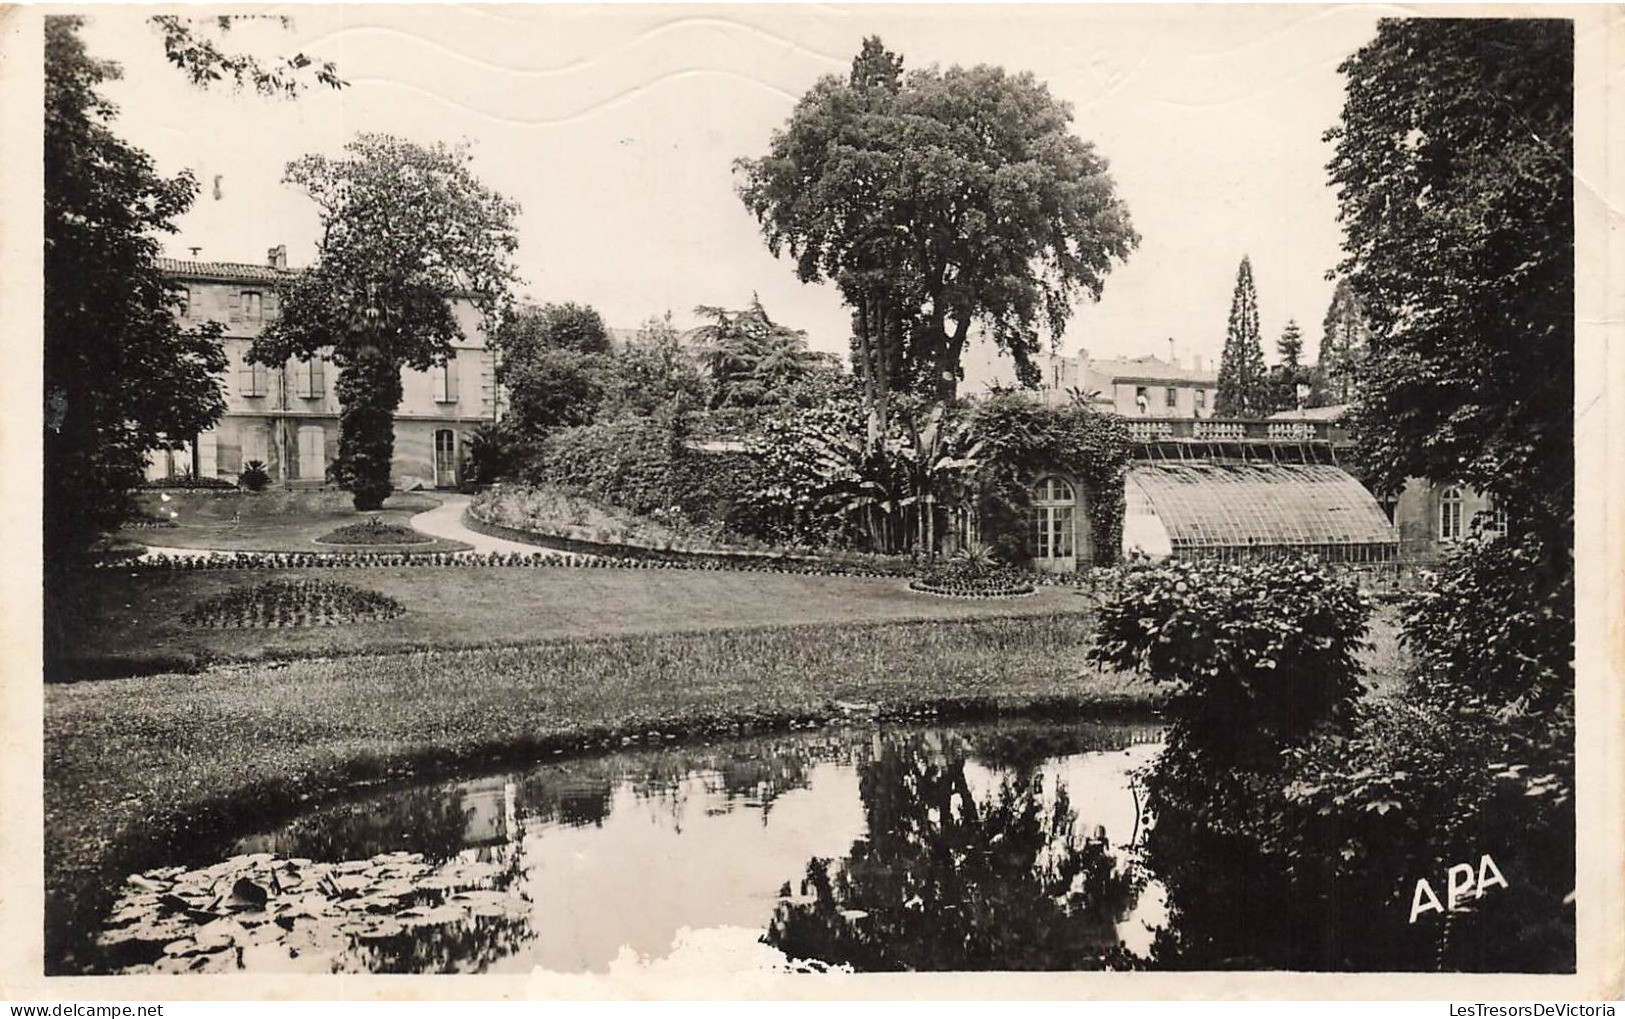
(369, 391)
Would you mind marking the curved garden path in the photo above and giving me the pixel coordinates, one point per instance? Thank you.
(446, 521)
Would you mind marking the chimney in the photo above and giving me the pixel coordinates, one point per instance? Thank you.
(194, 252)
(277, 257)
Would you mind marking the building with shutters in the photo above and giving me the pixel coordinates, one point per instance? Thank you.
(287, 417)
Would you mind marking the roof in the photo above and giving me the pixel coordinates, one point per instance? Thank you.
(1332, 413)
(223, 270)
(1149, 369)
(1219, 504)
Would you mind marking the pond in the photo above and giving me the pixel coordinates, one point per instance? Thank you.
(990, 846)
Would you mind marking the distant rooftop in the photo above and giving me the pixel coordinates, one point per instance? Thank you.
(1148, 369)
(222, 270)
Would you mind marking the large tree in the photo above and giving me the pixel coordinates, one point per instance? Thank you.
(1342, 343)
(122, 378)
(552, 361)
(1244, 389)
(407, 230)
(934, 200)
(1452, 169)
(752, 360)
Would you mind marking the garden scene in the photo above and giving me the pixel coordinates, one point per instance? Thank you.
(869, 668)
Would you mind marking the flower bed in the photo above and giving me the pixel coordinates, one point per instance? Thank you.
(374, 531)
(971, 590)
(280, 603)
(853, 564)
(971, 575)
(190, 481)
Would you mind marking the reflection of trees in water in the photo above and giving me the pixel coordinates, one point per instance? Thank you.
(470, 945)
(943, 881)
(433, 821)
(758, 771)
(1025, 747)
(467, 947)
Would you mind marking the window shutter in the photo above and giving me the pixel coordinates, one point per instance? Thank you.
(318, 382)
(270, 304)
(451, 380)
(246, 380)
(234, 301)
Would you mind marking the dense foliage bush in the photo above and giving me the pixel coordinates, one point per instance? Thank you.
(1256, 659)
(277, 603)
(1292, 822)
(1499, 622)
(1255, 655)
(1023, 440)
(254, 476)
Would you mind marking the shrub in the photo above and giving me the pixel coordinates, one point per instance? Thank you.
(971, 573)
(1255, 655)
(374, 531)
(278, 603)
(1499, 622)
(254, 476)
(1257, 659)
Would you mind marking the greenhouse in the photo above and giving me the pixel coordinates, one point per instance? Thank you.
(1246, 510)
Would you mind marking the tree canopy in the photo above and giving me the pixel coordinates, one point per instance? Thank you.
(191, 45)
(407, 231)
(1452, 169)
(934, 200)
(122, 378)
(1244, 388)
(754, 361)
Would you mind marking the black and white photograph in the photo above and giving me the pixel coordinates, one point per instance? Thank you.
(779, 495)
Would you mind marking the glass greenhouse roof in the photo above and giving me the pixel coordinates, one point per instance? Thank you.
(1221, 505)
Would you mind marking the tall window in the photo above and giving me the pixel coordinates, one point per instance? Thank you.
(1172, 399)
(1141, 399)
(1201, 400)
(253, 306)
(445, 383)
(1053, 506)
(183, 302)
(1494, 517)
(253, 379)
(308, 379)
(1450, 515)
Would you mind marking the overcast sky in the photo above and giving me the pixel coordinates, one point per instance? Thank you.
(615, 129)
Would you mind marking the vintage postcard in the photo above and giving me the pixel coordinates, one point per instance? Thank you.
(802, 501)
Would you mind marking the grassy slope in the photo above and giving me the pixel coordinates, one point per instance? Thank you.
(134, 617)
(202, 754)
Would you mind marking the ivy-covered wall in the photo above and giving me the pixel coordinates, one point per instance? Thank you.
(1022, 440)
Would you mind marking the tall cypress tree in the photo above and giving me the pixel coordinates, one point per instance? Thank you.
(1243, 382)
(1343, 343)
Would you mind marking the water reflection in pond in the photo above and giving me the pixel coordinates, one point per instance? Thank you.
(991, 846)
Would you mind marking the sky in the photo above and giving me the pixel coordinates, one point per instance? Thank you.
(615, 129)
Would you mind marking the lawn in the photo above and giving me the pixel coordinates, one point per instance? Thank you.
(130, 622)
(276, 521)
(139, 770)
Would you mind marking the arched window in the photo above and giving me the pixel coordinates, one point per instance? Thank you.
(1450, 515)
(1054, 504)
